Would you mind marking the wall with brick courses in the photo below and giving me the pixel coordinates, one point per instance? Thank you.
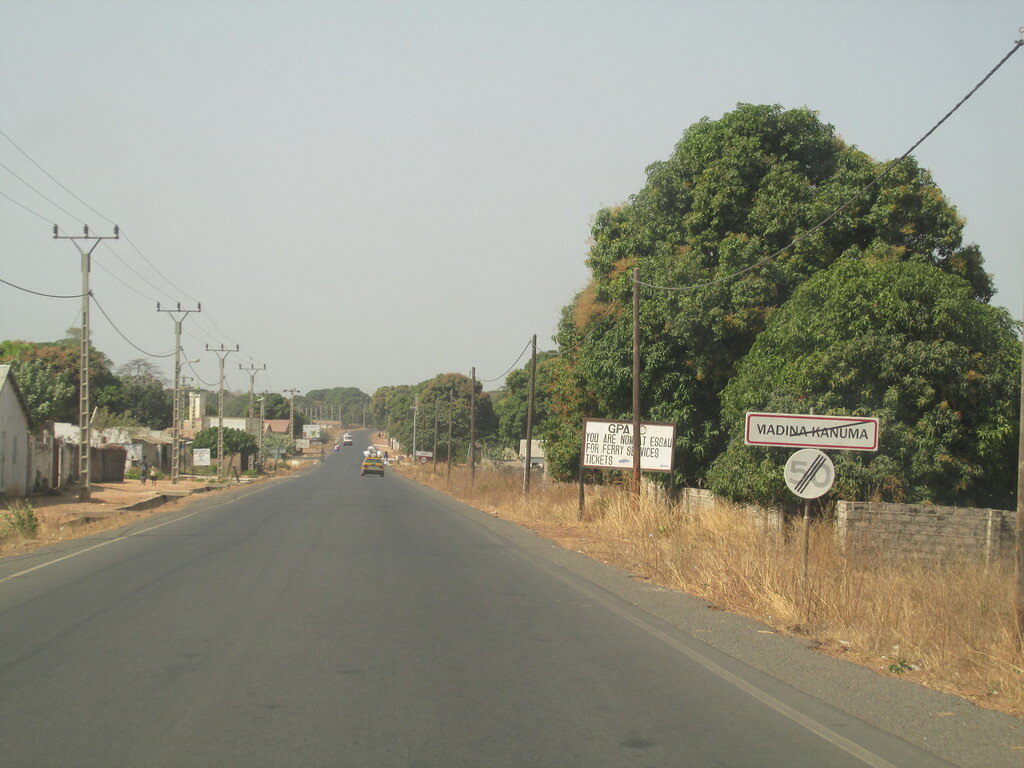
(924, 529)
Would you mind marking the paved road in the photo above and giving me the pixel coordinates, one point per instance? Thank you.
(335, 620)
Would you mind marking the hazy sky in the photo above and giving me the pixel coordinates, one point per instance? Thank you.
(363, 194)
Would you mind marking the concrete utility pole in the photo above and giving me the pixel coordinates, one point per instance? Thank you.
(291, 411)
(259, 437)
(178, 315)
(84, 414)
(636, 382)
(252, 370)
(222, 352)
(472, 430)
(529, 418)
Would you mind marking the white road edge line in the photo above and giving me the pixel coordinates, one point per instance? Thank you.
(823, 731)
(121, 538)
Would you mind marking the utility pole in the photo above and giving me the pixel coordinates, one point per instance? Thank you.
(259, 437)
(181, 400)
(84, 414)
(529, 419)
(636, 383)
(222, 352)
(291, 411)
(1019, 545)
(451, 402)
(433, 459)
(472, 430)
(415, 418)
(252, 370)
(178, 315)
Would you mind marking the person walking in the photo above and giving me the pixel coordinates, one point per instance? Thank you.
(143, 470)
(152, 475)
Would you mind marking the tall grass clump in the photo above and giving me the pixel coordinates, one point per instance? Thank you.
(20, 518)
(946, 623)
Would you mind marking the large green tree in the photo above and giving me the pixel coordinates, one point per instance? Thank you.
(512, 405)
(899, 341)
(734, 192)
(61, 360)
(396, 406)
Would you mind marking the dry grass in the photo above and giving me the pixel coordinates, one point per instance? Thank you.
(948, 625)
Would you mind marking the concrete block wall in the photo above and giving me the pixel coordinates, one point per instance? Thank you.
(927, 530)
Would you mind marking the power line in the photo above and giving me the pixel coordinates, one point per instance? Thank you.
(130, 342)
(55, 181)
(196, 373)
(51, 202)
(885, 172)
(21, 205)
(496, 378)
(38, 293)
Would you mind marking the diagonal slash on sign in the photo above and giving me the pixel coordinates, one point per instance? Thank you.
(810, 473)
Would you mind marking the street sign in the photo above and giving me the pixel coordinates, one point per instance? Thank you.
(810, 473)
(843, 433)
(609, 445)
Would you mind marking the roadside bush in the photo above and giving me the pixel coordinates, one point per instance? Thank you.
(21, 519)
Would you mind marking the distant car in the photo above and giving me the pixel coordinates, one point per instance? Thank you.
(372, 465)
(346, 439)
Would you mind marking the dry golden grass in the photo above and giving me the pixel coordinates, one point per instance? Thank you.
(948, 625)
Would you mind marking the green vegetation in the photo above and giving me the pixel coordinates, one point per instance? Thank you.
(21, 519)
(734, 192)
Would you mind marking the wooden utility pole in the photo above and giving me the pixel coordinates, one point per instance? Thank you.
(222, 352)
(472, 430)
(636, 383)
(178, 316)
(451, 402)
(84, 413)
(433, 459)
(1019, 544)
(415, 419)
(529, 419)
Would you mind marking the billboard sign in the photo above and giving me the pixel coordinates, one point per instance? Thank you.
(201, 457)
(609, 445)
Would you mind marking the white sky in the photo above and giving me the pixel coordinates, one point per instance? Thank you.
(363, 194)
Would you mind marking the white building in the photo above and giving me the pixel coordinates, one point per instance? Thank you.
(14, 449)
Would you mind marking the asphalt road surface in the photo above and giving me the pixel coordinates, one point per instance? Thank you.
(338, 620)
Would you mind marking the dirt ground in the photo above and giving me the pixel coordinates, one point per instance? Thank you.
(62, 516)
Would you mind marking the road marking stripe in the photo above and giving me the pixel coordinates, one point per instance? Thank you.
(823, 731)
(122, 538)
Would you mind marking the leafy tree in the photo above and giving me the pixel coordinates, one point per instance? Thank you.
(49, 391)
(734, 191)
(63, 359)
(511, 408)
(235, 441)
(350, 400)
(900, 341)
(396, 404)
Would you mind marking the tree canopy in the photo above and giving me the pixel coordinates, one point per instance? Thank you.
(711, 221)
(899, 341)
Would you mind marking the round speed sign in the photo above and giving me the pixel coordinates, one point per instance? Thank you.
(810, 473)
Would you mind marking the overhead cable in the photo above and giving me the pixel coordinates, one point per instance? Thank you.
(885, 172)
(496, 378)
(130, 342)
(51, 202)
(39, 293)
